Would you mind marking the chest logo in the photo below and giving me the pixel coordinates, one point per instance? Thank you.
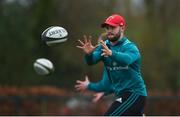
(114, 64)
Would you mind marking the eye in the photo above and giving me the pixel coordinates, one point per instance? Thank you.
(109, 27)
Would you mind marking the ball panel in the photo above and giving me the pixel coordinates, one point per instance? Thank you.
(43, 66)
(44, 62)
(44, 33)
(40, 69)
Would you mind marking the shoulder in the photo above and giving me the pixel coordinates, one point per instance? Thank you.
(129, 44)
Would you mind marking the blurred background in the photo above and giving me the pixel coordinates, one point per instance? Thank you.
(153, 24)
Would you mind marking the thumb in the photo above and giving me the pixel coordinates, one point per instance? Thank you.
(86, 78)
(96, 46)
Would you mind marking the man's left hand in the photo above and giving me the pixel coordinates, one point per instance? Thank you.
(105, 51)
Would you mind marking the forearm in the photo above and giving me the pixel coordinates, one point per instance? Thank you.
(89, 59)
(93, 58)
(126, 57)
(121, 58)
(97, 87)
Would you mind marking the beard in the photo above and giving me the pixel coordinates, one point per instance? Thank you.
(113, 37)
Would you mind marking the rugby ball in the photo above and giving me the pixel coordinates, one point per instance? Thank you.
(43, 66)
(54, 35)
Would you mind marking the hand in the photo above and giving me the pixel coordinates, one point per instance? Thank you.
(86, 46)
(105, 51)
(97, 97)
(82, 85)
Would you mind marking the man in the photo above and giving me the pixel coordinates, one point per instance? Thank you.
(121, 75)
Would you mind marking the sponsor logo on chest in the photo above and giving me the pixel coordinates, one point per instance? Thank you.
(117, 68)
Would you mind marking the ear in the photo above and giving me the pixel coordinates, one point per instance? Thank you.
(122, 28)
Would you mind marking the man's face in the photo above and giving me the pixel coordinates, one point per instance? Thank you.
(113, 33)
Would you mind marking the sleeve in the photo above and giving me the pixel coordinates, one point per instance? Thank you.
(104, 85)
(94, 57)
(128, 56)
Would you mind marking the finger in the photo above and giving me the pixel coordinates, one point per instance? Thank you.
(86, 78)
(90, 37)
(96, 46)
(90, 41)
(102, 54)
(80, 47)
(78, 89)
(78, 81)
(81, 42)
(104, 46)
(77, 86)
(102, 42)
(99, 41)
(85, 39)
(104, 50)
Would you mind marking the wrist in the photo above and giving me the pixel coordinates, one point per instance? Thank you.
(87, 84)
(88, 54)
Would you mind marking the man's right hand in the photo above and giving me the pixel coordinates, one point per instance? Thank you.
(82, 85)
(86, 46)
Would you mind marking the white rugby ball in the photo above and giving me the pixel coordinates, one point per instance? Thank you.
(54, 35)
(43, 66)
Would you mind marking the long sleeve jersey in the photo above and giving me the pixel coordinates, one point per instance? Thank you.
(121, 70)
